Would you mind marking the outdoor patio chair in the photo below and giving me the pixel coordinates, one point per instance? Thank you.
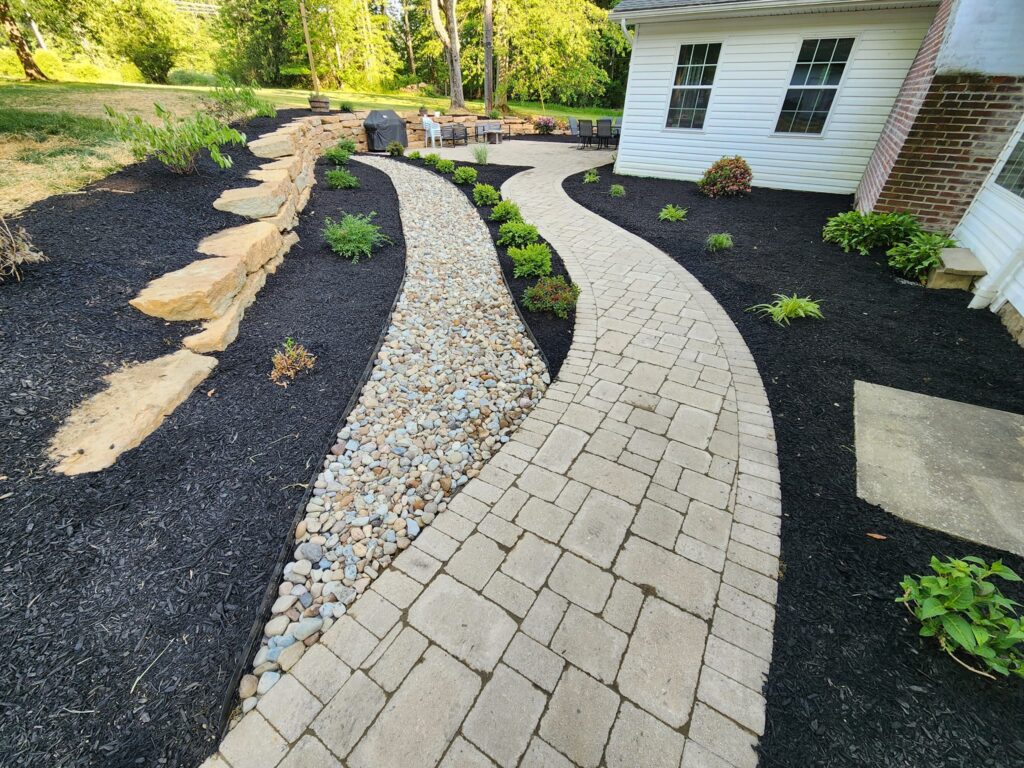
(586, 133)
(574, 126)
(455, 132)
(432, 132)
(616, 130)
(484, 131)
(604, 133)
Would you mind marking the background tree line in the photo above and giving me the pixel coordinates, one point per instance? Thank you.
(563, 51)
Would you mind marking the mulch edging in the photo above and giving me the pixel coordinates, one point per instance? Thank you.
(552, 334)
(157, 566)
(851, 683)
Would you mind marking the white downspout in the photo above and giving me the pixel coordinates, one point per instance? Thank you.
(992, 285)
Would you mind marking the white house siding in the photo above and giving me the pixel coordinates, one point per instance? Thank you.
(993, 228)
(755, 66)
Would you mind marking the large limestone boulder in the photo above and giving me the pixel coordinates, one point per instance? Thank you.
(221, 331)
(255, 244)
(257, 202)
(277, 144)
(200, 291)
(291, 163)
(136, 401)
(273, 175)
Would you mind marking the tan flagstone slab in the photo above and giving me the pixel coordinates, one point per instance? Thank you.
(200, 291)
(254, 243)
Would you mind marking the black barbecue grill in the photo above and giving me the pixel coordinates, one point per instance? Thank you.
(384, 126)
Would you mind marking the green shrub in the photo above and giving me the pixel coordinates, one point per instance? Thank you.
(961, 608)
(533, 260)
(347, 145)
(506, 210)
(414, 155)
(517, 233)
(718, 242)
(551, 294)
(727, 176)
(346, 106)
(784, 308)
(355, 236)
(494, 114)
(480, 154)
(672, 213)
(395, 149)
(177, 142)
(591, 176)
(230, 103)
(617, 190)
(916, 257)
(337, 155)
(431, 159)
(867, 231)
(190, 77)
(485, 194)
(464, 175)
(445, 166)
(340, 178)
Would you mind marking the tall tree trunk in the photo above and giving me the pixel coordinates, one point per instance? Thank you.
(309, 47)
(370, 61)
(337, 46)
(36, 32)
(488, 56)
(408, 38)
(449, 34)
(28, 64)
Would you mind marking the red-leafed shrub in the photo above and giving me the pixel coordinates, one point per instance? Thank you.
(728, 176)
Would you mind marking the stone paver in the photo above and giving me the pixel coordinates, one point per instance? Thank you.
(603, 592)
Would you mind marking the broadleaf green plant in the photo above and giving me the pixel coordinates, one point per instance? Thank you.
(517, 233)
(532, 260)
(617, 190)
(506, 210)
(445, 166)
(464, 175)
(552, 294)
(863, 232)
(785, 308)
(485, 194)
(916, 257)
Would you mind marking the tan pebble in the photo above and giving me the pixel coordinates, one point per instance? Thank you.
(247, 686)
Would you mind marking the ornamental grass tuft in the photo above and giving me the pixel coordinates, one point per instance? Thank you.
(785, 308)
(721, 241)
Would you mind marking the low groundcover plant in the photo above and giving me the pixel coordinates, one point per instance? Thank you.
(355, 236)
(966, 613)
(464, 175)
(919, 255)
(720, 241)
(551, 294)
(289, 361)
(517, 233)
(532, 260)
(339, 178)
(853, 230)
(485, 194)
(506, 210)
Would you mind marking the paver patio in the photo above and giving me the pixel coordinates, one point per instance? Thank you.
(603, 592)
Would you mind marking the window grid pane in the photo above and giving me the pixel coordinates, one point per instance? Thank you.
(691, 92)
(816, 76)
(1011, 178)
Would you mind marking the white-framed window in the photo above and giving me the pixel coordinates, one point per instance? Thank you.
(691, 89)
(1011, 176)
(812, 89)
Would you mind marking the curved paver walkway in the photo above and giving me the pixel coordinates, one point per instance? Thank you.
(602, 594)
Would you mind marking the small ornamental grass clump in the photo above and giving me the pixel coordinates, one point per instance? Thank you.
(178, 141)
(337, 155)
(445, 166)
(785, 308)
(617, 190)
(966, 613)
(552, 294)
(431, 159)
(591, 176)
(480, 154)
(355, 236)
(544, 125)
(414, 155)
(16, 250)
(864, 232)
(395, 149)
(289, 361)
(919, 255)
(517, 234)
(726, 177)
(721, 241)
(339, 178)
(506, 210)
(533, 260)
(485, 194)
(672, 213)
(464, 175)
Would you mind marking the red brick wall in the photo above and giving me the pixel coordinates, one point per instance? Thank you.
(904, 111)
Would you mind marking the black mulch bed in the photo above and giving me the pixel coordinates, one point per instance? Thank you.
(851, 684)
(157, 567)
(552, 334)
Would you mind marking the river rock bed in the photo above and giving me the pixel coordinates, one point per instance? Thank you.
(455, 375)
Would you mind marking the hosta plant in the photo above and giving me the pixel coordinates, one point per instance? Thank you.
(289, 361)
(395, 149)
(464, 175)
(617, 190)
(916, 257)
(485, 194)
(672, 213)
(517, 234)
(445, 166)
(337, 155)
(355, 236)
(506, 210)
(339, 178)
(591, 176)
(177, 141)
(552, 294)
(785, 308)
(960, 606)
(720, 241)
(726, 177)
(864, 232)
(532, 260)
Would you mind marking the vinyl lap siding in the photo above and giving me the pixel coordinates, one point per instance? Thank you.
(993, 228)
(754, 68)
